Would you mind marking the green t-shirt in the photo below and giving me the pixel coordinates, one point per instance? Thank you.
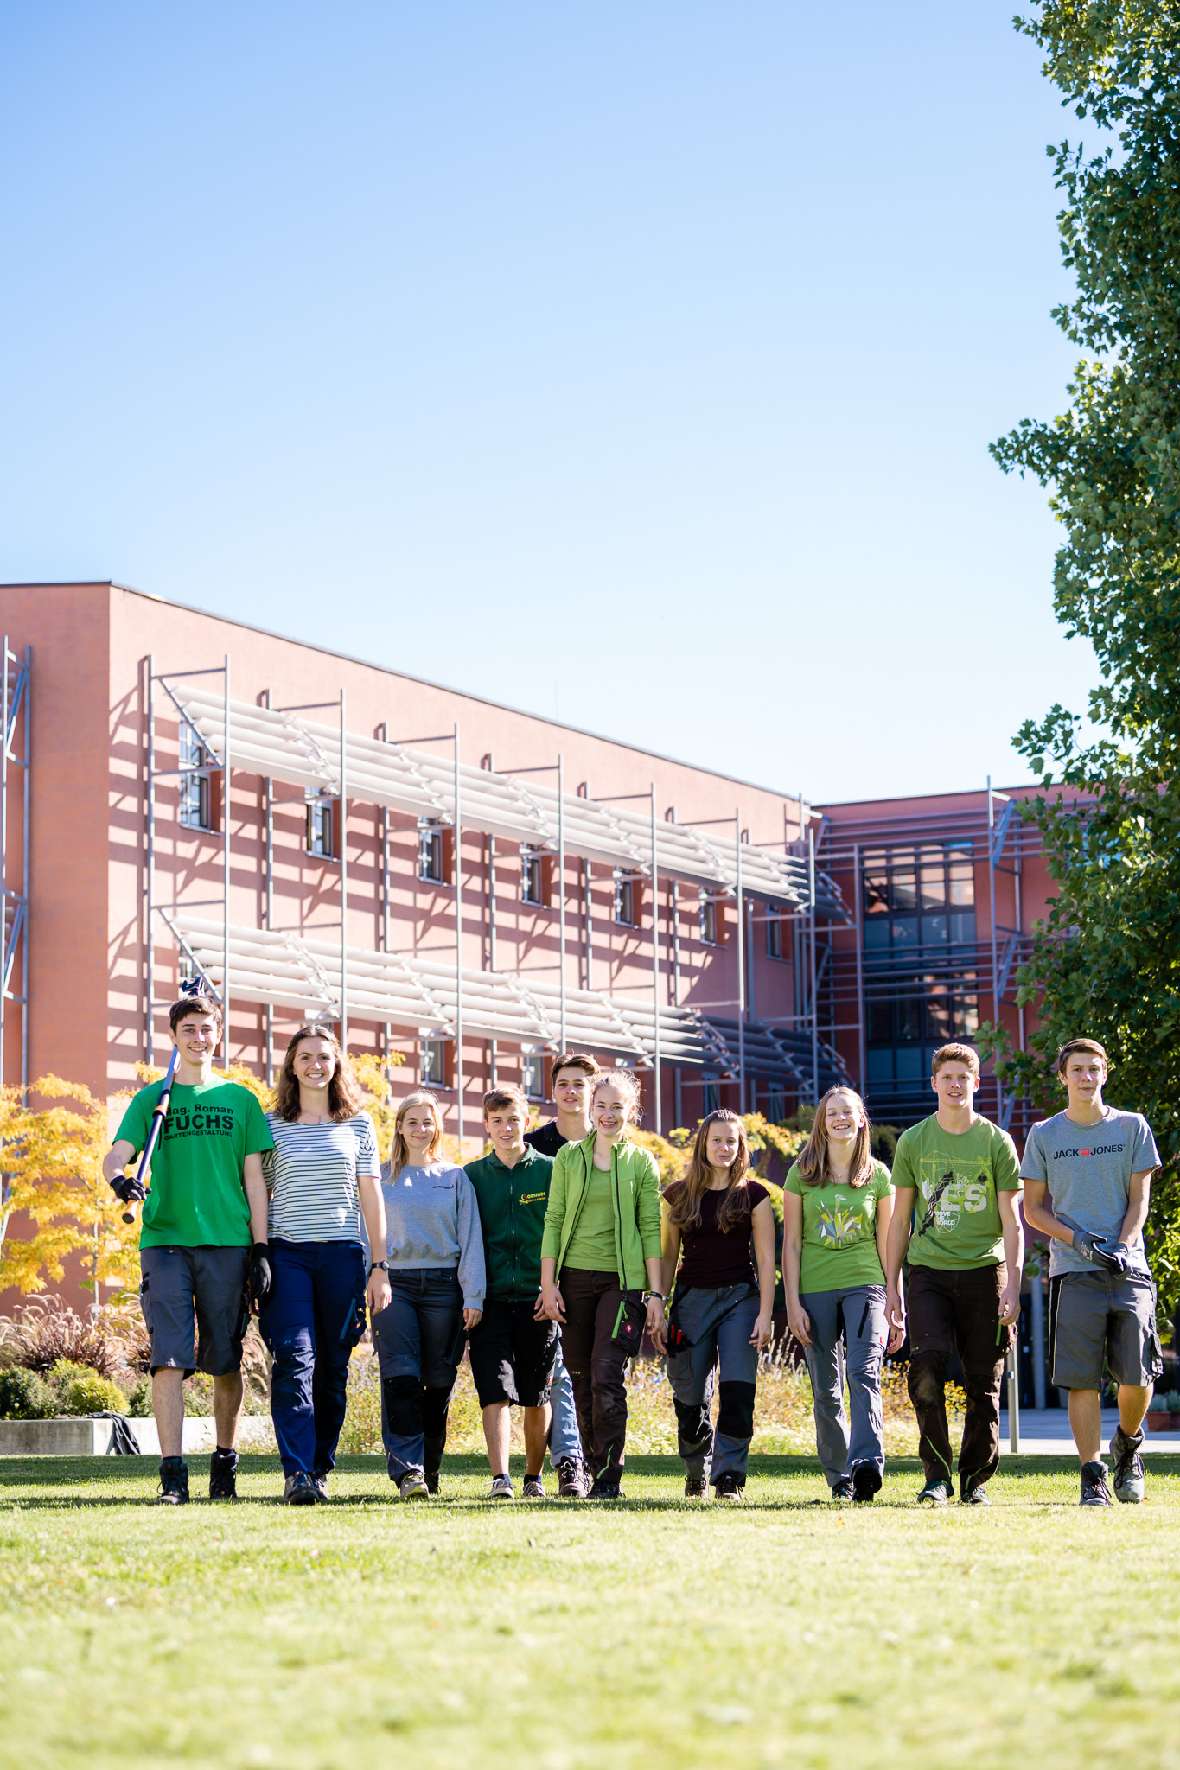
(839, 1247)
(964, 1228)
(197, 1199)
(592, 1245)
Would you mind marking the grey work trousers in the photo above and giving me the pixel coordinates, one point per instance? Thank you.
(847, 1333)
(718, 1321)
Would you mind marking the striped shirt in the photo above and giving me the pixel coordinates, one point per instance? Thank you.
(312, 1177)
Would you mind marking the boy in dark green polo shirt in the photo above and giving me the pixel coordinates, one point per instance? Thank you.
(204, 1213)
(512, 1348)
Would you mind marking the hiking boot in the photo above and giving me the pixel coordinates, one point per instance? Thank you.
(975, 1496)
(299, 1489)
(935, 1493)
(729, 1487)
(533, 1489)
(842, 1491)
(430, 1477)
(1095, 1491)
(173, 1488)
(223, 1469)
(866, 1483)
(1129, 1481)
(412, 1486)
(696, 1487)
(501, 1488)
(608, 1483)
(320, 1483)
(571, 1483)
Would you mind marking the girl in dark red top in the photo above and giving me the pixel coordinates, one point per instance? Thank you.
(719, 1225)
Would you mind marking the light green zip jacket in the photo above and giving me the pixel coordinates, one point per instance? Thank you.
(635, 1190)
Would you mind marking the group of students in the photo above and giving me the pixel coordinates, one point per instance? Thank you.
(553, 1255)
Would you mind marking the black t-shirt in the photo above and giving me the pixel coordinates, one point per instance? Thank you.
(711, 1257)
(546, 1138)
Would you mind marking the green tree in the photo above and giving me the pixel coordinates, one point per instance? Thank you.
(1106, 960)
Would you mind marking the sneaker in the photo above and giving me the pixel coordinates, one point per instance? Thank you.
(412, 1486)
(173, 1488)
(501, 1488)
(696, 1487)
(1095, 1491)
(935, 1493)
(608, 1483)
(842, 1491)
(430, 1477)
(320, 1483)
(1129, 1480)
(571, 1483)
(866, 1483)
(975, 1496)
(299, 1489)
(223, 1469)
(729, 1487)
(534, 1488)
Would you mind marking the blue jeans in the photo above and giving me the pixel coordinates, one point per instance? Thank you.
(564, 1438)
(847, 1328)
(718, 1322)
(311, 1321)
(419, 1340)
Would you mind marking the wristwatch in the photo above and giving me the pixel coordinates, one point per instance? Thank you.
(658, 1297)
(379, 1266)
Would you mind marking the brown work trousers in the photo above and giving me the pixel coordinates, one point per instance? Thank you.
(957, 1311)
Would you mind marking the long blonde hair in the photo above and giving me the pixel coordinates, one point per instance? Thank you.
(812, 1160)
(399, 1155)
(684, 1207)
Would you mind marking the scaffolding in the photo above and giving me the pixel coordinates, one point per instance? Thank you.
(300, 970)
(15, 722)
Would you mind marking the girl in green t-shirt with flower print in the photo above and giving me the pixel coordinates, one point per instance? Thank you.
(837, 1205)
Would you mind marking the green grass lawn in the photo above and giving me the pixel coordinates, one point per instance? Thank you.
(454, 1633)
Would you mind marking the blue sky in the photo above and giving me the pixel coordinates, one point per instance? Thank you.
(634, 364)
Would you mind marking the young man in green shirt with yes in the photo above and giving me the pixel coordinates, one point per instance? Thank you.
(203, 1243)
(957, 1180)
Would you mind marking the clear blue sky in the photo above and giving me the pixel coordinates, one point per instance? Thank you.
(632, 363)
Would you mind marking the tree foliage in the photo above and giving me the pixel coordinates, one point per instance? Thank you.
(1106, 960)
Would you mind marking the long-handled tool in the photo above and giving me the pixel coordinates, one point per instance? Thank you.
(159, 1114)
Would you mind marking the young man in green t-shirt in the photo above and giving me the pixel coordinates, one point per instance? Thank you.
(957, 1181)
(203, 1242)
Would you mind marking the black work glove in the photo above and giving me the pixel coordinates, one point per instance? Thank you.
(127, 1189)
(1101, 1251)
(259, 1281)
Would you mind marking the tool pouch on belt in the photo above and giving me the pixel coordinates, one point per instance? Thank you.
(630, 1321)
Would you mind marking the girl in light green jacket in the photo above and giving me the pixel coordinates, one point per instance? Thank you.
(602, 1241)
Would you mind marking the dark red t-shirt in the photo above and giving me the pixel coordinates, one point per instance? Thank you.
(711, 1257)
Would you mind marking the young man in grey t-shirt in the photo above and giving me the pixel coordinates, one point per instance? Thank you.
(1096, 1163)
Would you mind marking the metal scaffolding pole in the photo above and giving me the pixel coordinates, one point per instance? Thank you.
(741, 960)
(149, 914)
(26, 870)
(226, 807)
(811, 961)
(561, 895)
(458, 861)
(268, 900)
(991, 887)
(343, 828)
(858, 924)
(383, 734)
(657, 1053)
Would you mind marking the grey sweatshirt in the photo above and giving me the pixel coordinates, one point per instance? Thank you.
(432, 1220)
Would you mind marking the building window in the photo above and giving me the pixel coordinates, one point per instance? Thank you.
(626, 899)
(533, 877)
(774, 936)
(917, 899)
(710, 1098)
(533, 1077)
(322, 816)
(776, 1105)
(433, 1063)
(196, 789)
(432, 858)
(708, 921)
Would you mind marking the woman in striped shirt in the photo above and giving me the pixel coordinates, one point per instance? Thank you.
(323, 1177)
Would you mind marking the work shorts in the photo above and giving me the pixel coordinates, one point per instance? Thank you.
(512, 1355)
(195, 1306)
(1102, 1321)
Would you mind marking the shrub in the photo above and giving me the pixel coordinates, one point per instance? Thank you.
(77, 1389)
(139, 1399)
(24, 1395)
(45, 1330)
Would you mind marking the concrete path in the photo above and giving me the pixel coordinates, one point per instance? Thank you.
(1044, 1432)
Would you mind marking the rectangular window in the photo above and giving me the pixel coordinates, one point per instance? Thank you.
(710, 1097)
(776, 1105)
(626, 899)
(196, 789)
(321, 827)
(431, 851)
(533, 1076)
(434, 1063)
(532, 877)
(774, 937)
(707, 920)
